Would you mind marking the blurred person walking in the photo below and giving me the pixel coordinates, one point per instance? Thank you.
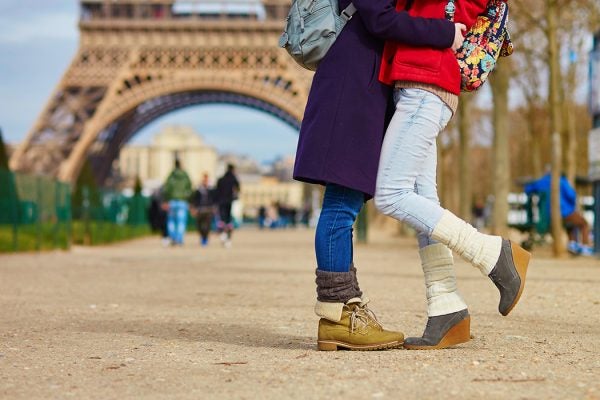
(157, 216)
(203, 208)
(176, 193)
(339, 147)
(227, 190)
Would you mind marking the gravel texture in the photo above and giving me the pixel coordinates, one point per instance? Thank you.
(136, 320)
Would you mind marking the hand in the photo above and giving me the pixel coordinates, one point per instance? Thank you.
(458, 36)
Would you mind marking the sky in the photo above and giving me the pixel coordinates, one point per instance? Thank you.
(38, 39)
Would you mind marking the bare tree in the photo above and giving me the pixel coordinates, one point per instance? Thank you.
(552, 16)
(464, 130)
(500, 82)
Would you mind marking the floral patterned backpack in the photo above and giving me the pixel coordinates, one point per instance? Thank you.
(487, 40)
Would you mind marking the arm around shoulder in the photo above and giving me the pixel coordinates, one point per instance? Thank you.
(383, 21)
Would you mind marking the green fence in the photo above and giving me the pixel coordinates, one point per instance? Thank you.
(35, 213)
(40, 213)
(105, 216)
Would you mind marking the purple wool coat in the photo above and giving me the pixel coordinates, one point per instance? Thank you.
(345, 118)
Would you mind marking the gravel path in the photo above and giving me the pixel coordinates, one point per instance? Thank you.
(135, 321)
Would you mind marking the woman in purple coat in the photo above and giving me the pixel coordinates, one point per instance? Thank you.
(339, 146)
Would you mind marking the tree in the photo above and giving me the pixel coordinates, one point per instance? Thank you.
(529, 70)
(557, 22)
(3, 153)
(9, 199)
(500, 82)
(464, 131)
(86, 195)
(137, 187)
(552, 15)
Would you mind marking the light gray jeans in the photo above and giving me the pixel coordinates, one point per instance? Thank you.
(406, 180)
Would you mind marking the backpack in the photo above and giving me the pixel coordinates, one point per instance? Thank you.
(485, 42)
(311, 29)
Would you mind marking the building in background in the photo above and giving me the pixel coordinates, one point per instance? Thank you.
(261, 185)
(154, 162)
(266, 191)
(244, 165)
(283, 168)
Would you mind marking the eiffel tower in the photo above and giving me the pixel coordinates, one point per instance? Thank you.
(141, 59)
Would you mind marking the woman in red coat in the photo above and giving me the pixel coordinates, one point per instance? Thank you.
(426, 88)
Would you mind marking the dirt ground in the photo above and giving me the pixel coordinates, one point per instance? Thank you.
(136, 320)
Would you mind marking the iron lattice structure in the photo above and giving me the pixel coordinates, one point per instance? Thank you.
(141, 59)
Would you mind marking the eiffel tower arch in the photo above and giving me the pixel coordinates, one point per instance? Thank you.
(141, 59)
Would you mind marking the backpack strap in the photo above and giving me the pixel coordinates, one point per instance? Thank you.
(348, 12)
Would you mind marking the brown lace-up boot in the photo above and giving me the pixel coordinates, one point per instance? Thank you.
(353, 326)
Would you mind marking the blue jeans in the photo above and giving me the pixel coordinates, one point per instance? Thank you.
(177, 220)
(333, 238)
(406, 180)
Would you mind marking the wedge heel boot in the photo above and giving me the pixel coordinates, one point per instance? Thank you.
(442, 331)
(509, 275)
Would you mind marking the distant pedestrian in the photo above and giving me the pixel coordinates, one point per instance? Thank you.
(478, 213)
(203, 208)
(262, 216)
(157, 216)
(176, 192)
(228, 189)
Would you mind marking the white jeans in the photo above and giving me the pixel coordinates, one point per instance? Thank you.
(406, 180)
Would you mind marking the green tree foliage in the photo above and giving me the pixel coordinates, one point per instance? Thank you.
(9, 199)
(137, 205)
(3, 153)
(86, 197)
(137, 187)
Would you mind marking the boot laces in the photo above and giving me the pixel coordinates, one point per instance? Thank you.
(361, 316)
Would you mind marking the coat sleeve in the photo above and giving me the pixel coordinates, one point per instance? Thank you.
(383, 21)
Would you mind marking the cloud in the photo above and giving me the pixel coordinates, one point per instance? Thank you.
(17, 30)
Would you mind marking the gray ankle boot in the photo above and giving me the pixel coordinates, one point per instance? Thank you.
(509, 275)
(442, 331)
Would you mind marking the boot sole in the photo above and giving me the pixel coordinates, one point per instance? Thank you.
(459, 333)
(334, 345)
(521, 258)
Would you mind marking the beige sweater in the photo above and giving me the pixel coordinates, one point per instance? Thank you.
(449, 98)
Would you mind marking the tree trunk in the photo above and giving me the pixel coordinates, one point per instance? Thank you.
(535, 140)
(500, 81)
(570, 167)
(555, 124)
(464, 131)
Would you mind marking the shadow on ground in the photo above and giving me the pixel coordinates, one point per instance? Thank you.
(235, 334)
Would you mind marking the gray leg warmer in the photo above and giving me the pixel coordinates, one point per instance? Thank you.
(336, 287)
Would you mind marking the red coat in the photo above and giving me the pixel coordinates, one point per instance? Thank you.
(402, 62)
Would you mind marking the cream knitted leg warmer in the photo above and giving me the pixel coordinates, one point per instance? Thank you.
(479, 249)
(440, 281)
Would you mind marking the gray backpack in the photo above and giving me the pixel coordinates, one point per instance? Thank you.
(311, 28)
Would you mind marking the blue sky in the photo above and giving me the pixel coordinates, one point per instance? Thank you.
(38, 38)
